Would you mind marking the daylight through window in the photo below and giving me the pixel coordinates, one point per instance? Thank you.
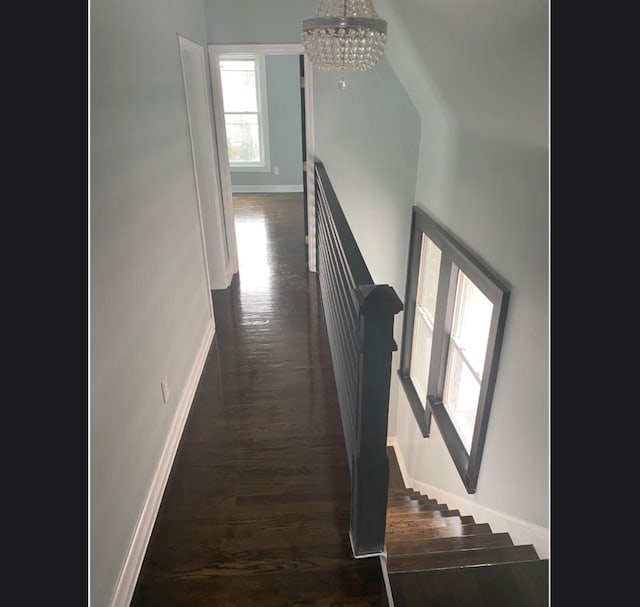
(245, 116)
(453, 325)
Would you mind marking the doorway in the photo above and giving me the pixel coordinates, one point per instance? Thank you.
(306, 83)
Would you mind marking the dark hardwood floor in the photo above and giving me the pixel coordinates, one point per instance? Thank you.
(256, 509)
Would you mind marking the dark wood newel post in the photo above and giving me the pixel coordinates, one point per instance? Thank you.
(378, 305)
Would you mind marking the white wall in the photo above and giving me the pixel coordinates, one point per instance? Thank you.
(149, 304)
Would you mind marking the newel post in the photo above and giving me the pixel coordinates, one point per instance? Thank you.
(378, 305)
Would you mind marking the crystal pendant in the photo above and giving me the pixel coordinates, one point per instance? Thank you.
(344, 35)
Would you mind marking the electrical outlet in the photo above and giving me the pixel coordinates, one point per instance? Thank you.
(164, 384)
(276, 170)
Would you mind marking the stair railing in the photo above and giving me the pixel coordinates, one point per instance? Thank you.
(359, 316)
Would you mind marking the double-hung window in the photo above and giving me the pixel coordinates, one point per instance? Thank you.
(455, 312)
(244, 95)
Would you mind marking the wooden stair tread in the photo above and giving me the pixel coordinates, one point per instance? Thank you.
(403, 492)
(416, 507)
(412, 512)
(410, 501)
(440, 558)
(405, 498)
(446, 544)
(424, 533)
(461, 558)
(521, 584)
(416, 523)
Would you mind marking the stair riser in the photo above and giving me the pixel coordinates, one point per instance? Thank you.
(399, 501)
(402, 492)
(414, 513)
(436, 532)
(416, 507)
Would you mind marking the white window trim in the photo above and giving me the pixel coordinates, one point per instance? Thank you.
(263, 116)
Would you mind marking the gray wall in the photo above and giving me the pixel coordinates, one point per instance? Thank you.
(454, 118)
(483, 173)
(256, 22)
(368, 136)
(149, 297)
(477, 144)
(285, 126)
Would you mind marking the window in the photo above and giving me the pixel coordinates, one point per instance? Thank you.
(244, 95)
(455, 311)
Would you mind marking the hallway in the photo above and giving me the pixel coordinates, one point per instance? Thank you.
(256, 509)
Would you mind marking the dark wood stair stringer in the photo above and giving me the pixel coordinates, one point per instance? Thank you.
(436, 557)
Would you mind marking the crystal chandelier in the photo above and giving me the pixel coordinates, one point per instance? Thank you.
(344, 36)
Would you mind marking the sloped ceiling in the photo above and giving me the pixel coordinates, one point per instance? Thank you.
(486, 61)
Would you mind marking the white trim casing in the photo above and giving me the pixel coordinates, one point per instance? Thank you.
(210, 207)
(521, 532)
(385, 575)
(223, 159)
(128, 577)
(310, 152)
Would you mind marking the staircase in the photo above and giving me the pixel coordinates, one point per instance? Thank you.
(437, 557)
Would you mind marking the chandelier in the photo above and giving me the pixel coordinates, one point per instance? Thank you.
(344, 35)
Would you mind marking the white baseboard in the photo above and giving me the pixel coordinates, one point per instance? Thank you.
(392, 441)
(521, 532)
(126, 583)
(265, 189)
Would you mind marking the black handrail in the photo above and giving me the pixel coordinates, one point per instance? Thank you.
(359, 317)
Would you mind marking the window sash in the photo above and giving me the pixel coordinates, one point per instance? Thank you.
(243, 137)
(430, 259)
(239, 87)
(421, 353)
(251, 102)
(461, 393)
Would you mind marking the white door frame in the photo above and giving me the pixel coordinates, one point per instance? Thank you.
(218, 250)
(188, 47)
(215, 50)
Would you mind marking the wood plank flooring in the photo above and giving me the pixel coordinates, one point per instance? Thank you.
(256, 509)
